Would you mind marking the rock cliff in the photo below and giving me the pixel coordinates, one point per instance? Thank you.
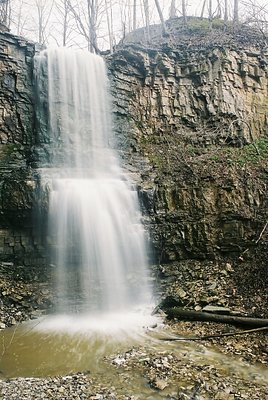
(194, 106)
(191, 121)
(190, 114)
(17, 138)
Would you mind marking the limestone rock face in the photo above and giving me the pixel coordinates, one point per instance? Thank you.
(215, 93)
(186, 115)
(18, 181)
(16, 93)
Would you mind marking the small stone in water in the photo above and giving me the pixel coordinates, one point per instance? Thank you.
(160, 384)
(119, 360)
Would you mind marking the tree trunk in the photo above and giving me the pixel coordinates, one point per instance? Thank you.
(184, 12)
(210, 17)
(203, 8)
(187, 315)
(147, 21)
(109, 25)
(65, 23)
(235, 12)
(225, 13)
(164, 29)
(92, 5)
(173, 13)
(219, 10)
(134, 15)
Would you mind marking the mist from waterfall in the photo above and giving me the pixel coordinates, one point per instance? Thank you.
(96, 237)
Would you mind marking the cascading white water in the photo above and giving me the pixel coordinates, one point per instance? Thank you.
(95, 229)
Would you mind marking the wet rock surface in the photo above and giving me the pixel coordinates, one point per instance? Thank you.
(24, 294)
(18, 143)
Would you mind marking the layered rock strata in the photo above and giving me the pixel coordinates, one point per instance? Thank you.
(17, 137)
(194, 107)
(191, 121)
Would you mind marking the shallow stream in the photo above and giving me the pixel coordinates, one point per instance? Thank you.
(114, 357)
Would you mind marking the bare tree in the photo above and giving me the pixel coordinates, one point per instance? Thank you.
(109, 16)
(19, 16)
(235, 17)
(147, 19)
(134, 15)
(219, 9)
(225, 13)
(44, 10)
(126, 22)
(210, 16)
(64, 22)
(85, 14)
(256, 15)
(184, 11)
(173, 11)
(203, 8)
(164, 29)
(4, 12)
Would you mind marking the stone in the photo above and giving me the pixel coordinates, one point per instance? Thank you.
(160, 384)
(181, 293)
(170, 301)
(229, 267)
(212, 286)
(216, 309)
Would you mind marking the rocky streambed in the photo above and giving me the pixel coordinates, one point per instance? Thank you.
(165, 372)
(232, 367)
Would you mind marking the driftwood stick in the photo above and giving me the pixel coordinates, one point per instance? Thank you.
(262, 232)
(206, 337)
(256, 241)
(186, 315)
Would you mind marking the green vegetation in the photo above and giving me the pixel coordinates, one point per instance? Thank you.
(264, 176)
(171, 156)
(251, 153)
(204, 24)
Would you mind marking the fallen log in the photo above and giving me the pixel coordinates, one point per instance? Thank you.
(216, 336)
(188, 315)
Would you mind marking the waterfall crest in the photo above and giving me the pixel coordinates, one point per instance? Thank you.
(97, 239)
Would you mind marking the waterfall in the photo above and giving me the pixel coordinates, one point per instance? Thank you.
(96, 237)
